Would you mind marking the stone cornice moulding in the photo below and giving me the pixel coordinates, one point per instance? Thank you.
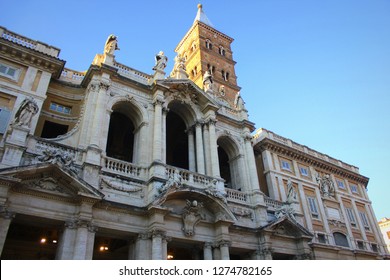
(268, 144)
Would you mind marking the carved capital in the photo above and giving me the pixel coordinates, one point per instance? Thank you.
(5, 213)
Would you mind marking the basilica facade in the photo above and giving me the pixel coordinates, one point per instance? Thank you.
(113, 163)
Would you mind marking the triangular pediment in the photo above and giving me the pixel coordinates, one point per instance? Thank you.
(48, 179)
(288, 227)
(187, 91)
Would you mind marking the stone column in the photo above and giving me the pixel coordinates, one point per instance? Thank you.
(191, 150)
(207, 153)
(142, 247)
(5, 221)
(157, 131)
(251, 163)
(66, 243)
(199, 148)
(208, 251)
(157, 245)
(224, 247)
(101, 102)
(215, 172)
(216, 253)
(165, 111)
(267, 253)
(84, 240)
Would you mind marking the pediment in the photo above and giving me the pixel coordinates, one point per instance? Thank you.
(50, 180)
(188, 92)
(286, 226)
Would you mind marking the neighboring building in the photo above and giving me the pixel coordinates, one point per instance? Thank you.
(384, 225)
(113, 163)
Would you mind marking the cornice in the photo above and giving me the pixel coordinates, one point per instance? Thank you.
(14, 51)
(268, 144)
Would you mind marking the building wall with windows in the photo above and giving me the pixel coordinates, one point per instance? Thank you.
(114, 163)
(384, 225)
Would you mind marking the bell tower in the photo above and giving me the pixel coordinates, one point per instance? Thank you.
(204, 48)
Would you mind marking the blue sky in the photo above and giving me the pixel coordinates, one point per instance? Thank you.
(317, 72)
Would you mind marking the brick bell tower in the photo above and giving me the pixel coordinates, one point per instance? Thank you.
(204, 48)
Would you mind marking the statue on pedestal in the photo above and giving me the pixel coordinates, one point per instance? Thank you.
(161, 61)
(25, 113)
(111, 45)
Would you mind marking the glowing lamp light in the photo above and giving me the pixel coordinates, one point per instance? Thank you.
(43, 240)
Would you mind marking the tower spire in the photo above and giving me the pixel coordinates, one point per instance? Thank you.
(201, 16)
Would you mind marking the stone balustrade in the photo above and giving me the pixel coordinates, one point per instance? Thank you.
(72, 76)
(236, 195)
(132, 74)
(271, 203)
(28, 43)
(127, 169)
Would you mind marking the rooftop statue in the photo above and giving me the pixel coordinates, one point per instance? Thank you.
(111, 45)
(161, 61)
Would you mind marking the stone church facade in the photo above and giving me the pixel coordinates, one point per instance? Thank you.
(114, 163)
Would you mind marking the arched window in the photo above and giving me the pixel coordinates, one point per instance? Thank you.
(229, 163)
(225, 75)
(209, 45)
(193, 46)
(340, 239)
(120, 140)
(211, 68)
(222, 51)
(176, 141)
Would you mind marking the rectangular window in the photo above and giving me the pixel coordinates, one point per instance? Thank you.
(60, 108)
(374, 247)
(4, 119)
(313, 207)
(351, 216)
(354, 188)
(321, 238)
(304, 171)
(286, 165)
(364, 219)
(9, 72)
(360, 245)
(340, 184)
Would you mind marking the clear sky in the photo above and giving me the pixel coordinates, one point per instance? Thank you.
(317, 72)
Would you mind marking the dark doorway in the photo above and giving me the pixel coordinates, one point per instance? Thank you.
(224, 167)
(53, 130)
(107, 248)
(176, 141)
(120, 140)
(28, 241)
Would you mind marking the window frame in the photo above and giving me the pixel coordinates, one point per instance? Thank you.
(55, 107)
(350, 216)
(313, 207)
(14, 76)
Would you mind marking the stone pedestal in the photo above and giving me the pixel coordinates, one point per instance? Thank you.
(15, 145)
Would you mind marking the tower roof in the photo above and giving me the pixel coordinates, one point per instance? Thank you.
(201, 16)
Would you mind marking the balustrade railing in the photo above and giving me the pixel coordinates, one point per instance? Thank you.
(131, 73)
(117, 166)
(28, 43)
(236, 195)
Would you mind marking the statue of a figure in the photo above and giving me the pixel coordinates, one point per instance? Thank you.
(174, 180)
(291, 193)
(239, 102)
(26, 111)
(326, 185)
(222, 90)
(207, 80)
(212, 190)
(111, 45)
(180, 62)
(161, 61)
